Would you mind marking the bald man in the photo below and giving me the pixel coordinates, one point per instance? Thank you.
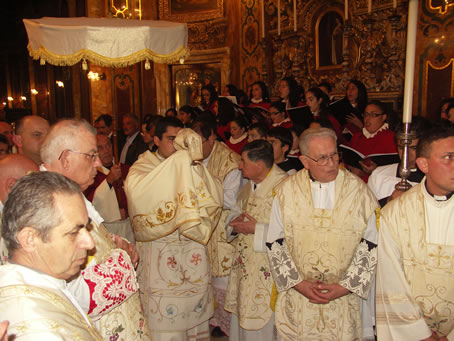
(12, 168)
(30, 134)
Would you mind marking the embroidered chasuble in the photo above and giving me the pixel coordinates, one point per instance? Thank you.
(109, 285)
(250, 282)
(222, 161)
(115, 300)
(415, 272)
(39, 307)
(174, 205)
(322, 245)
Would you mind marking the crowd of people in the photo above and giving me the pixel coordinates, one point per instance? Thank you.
(240, 217)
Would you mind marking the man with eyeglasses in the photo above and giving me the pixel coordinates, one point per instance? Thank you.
(107, 288)
(415, 271)
(174, 205)
(322, 247)
(383, 179)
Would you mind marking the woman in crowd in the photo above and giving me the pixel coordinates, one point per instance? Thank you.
(290, 93)
(279, 115)
(259, 96)
(317, 101)
(186, 115)
(375, 138)
(238, 134)
(209, 98)
(348, 111)
(225, 113)
(171, 112)
(442, 109)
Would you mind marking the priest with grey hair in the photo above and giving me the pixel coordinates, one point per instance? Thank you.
(107, 288)
(322, 247)
(45, 229)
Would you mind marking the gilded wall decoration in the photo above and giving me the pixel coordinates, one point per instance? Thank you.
(250, 42)
(369, 47)
(191, 10)
(435, 51)
(207, 34)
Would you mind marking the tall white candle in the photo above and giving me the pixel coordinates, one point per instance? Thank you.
(346, 10)
(263, 18)
(369, 6)
(394, 3)
(278, 17)
(410, 60)
(294, 15)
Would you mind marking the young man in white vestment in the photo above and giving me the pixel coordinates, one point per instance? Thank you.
(222, 162)
(107, 288)
(250, 288)
(415, 271)
(12, 168)
(322, 247)
(174, 205)
(383, 179)
(45, 229)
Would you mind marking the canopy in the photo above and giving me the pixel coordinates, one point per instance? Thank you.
(106, 42)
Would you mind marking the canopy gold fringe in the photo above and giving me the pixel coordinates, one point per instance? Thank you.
(67, 60)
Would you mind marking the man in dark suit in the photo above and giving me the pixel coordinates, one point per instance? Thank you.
(134, 145)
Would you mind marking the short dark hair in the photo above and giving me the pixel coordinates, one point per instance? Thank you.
(164, 123)
(425, 142)
(131, 115)
(172, 110)
(279, 105)
(326, 85)
(260, 150)
(152, 122)
(284, 135)
(31, 202)
(226, 111)
(418, 126)
(261, 128)
(106, 118)
(205, 125)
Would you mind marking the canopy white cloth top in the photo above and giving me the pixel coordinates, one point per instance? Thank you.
(106, 42)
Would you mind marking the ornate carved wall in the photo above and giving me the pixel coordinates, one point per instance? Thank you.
(372, 46)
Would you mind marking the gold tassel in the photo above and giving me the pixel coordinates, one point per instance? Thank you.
(273, 298)
(84, 65)
(42, 61)
(377, 216)
(181, 60)
(147, 65)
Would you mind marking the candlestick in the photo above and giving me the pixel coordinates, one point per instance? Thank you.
(410, 60)
(294, 15)
(278, 17)
(346, 10)
(369, 6)
(263, 18)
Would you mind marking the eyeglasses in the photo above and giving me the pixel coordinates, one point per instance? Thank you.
(93, 155)
(372, 114)
(275, 113)
(323, 160)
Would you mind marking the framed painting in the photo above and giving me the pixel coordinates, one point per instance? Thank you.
(190, 10)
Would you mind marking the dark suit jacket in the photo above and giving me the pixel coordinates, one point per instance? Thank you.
(137, 147)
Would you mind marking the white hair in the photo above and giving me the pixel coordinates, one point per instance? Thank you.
(62, 136)
(309, 134)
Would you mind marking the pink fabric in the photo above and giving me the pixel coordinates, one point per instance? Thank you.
(221, 317)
